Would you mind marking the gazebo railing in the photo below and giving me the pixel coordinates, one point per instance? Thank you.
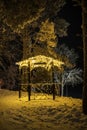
(29, 87)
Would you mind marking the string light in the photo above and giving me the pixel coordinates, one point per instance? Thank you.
(40, 61)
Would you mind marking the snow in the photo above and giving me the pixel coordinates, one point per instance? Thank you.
(41, 113)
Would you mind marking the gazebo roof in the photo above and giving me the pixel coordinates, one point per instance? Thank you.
(40, 61)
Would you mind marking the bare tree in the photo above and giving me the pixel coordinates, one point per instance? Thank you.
(71, 74)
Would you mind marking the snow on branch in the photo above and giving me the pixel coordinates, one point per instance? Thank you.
(72, 77)
(70, 54)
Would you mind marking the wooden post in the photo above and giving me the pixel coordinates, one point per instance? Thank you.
(19, 91)
(53, 91)
(19, 83)
(29, 92)
(53, 86)
(29, 86)
(59, 90)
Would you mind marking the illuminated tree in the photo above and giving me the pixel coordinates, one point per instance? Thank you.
(28, 20)
(71, 74)
(67, 53)
(27, 12)
(31, 16)
(49, 31)
(47, 35)
(71, 77)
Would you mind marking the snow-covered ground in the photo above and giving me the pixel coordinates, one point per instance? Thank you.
(41, 113)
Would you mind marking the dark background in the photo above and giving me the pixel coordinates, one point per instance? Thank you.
(73, 15)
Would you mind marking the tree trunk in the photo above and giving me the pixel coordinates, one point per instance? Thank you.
(62, 88)
(84, 30)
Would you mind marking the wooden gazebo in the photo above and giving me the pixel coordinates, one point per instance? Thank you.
(27, 65)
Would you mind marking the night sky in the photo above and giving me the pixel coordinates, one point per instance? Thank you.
(72, 14)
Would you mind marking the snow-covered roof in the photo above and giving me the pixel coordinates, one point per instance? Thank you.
(40, 61)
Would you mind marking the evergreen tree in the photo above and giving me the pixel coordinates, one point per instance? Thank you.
(28, 20)
(10, 46)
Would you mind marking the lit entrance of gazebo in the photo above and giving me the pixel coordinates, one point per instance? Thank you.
(26, 66)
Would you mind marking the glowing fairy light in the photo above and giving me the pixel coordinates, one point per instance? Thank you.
(40, 61)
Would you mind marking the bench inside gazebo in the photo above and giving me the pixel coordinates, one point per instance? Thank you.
(27, 65)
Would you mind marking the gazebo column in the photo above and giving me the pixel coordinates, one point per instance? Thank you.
(29, 86)
(53, 86)
(20, 73)
(29, 92)
(53, 91)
